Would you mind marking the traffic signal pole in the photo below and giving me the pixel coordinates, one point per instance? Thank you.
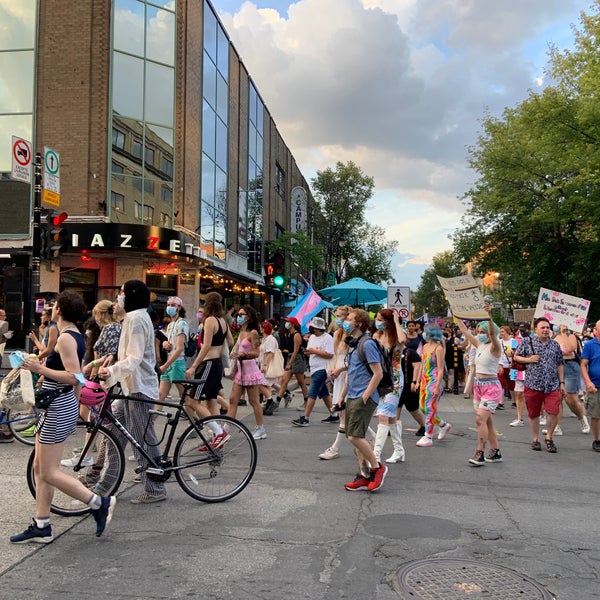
(36, 247)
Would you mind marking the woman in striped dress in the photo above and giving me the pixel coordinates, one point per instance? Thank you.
(432, 381)
(62, 370)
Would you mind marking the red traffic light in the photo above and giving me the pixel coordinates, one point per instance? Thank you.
(58, 219)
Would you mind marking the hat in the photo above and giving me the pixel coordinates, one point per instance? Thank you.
(318, 323)
(175, 300)
(293, 321)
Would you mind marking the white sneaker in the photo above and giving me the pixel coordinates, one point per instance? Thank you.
(585, 426)
(542, 421)
(259, 433)
(557, 430)
(329, 454)
(425, 442)
(444, 430)
(88, 461)
(517, 423)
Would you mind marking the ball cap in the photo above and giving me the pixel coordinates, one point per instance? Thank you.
(293, 321)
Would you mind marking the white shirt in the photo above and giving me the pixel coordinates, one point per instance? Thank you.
(322, 342)
(136, 356)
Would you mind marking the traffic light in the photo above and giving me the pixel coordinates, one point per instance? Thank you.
(275, 268)
(56, 235)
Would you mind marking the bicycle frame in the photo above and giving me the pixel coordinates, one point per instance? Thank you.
(163, 467)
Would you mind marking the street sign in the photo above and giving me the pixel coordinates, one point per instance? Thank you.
(399, 298)
(21, 159)
(330, 279)
(51, 184)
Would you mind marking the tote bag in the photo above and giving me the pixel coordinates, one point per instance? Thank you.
(275, 368)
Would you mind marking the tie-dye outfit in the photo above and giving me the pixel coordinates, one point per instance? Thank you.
(428, 401)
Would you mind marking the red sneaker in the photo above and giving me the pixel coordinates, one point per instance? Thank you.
(216, 442)
(378, 477)
(359, 483)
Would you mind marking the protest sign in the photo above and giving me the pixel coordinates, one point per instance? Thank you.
(464, 296)
(562, 309)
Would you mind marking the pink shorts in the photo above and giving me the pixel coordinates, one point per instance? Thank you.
(534, 400)
(487, 394)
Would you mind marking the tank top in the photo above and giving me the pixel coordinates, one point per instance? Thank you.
(54, 361)
(485, 362)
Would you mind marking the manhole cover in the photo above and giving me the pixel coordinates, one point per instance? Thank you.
(451, 579)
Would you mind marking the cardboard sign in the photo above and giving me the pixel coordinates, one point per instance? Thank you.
(562, 309)
(464, 296)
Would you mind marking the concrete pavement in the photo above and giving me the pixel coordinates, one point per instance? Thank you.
(296, 533)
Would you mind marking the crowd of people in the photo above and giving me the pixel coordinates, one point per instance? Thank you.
(360, 368)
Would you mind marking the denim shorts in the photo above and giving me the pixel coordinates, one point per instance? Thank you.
(572, 372)
(318, 385)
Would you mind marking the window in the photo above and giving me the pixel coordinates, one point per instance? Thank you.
(149, 187)
(118, 170)
(166, 194)
(138, 211)
(165, 220)
(150, 157)
(280, 181)
(118, 138)
(136, 149)
(166, 166)
(117, 201)
(148, 213)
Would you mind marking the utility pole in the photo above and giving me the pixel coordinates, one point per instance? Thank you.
(37, 244)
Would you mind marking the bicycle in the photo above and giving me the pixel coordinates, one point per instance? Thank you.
(205, 472)
(21, 423)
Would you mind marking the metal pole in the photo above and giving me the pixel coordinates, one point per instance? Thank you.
(37, 244)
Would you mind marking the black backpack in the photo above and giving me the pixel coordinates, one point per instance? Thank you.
(386, 385)
(191, 346)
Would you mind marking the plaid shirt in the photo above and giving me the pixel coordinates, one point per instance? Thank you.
(543, 375)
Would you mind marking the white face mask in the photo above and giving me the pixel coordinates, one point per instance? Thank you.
(121, 300)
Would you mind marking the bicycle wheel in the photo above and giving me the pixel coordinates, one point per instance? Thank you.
(22, 424)
(106, 454)
(220, 477)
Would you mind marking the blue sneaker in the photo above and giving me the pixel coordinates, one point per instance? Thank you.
(35, 534)
(103, 515)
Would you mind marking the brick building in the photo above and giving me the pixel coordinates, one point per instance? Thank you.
(172, 170)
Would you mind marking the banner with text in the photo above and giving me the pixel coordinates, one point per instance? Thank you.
(464, 296)
(562, 309)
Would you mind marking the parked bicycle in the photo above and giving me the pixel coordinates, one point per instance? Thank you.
(206, 470)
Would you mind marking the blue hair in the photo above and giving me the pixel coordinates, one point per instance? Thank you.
(485, 327)
(433, 333)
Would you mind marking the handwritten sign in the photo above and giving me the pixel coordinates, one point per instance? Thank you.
(464, 296)
(562, 309)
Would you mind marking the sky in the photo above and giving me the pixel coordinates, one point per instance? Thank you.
(399, 87)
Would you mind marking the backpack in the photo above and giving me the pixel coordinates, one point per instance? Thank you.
(386, 385)
(191, 346)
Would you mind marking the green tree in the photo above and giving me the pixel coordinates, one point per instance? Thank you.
(534, 213)
(352, 247)
(304, 257)
(429, 297)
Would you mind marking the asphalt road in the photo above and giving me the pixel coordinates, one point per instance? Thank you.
(296, 533)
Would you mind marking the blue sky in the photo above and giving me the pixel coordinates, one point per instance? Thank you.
(399, 87)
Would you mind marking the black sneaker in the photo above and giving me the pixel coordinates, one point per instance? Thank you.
(331, 419)
(420, 432)
(269, 407)
(103, 515)
(6, 437)
(35, 534)
(596, 445)
(301, 422)
(494, 456)
(477, 460)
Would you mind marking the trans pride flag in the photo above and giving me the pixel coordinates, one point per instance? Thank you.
(309, 305)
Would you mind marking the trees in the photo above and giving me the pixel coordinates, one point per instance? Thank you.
(534, 213)
(352, 247)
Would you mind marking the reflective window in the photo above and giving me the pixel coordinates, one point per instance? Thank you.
(129, 26)
(222, 52)
(209, 81)
(128, 85)
(221, 145)
(209, 130)
(18, 25)
(159, 103)
(208, 181)
(210, 32)
(17, 91)
(222, 98)
(160, 35)
(117, 201)
(118, 138)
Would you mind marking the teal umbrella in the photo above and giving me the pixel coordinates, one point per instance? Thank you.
(355, 292)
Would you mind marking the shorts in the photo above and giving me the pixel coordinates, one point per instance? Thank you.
(299, 365)
(318, 385)
(358, 416)
(210, 373)
(487, 394)
(388, 405)
(572, 372)
(408, 399)
(519, 386)
(58, 422)
(534, 400)
(174, 372)
(592, 405)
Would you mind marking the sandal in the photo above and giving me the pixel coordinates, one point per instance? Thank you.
(550, 446)
(535, 445)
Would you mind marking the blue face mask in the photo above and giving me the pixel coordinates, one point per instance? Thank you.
(347, 327)
(483, 338)
(171, 311)
(380, 325)
(338, 322)
(241, 320)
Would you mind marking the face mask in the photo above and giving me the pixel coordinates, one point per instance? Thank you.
(338, 322)
(200, 317)
(241, 320)
(288, 325)
(483, 338)
(347, 327)
(380, 325)
(121, 300)
(171, 311)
